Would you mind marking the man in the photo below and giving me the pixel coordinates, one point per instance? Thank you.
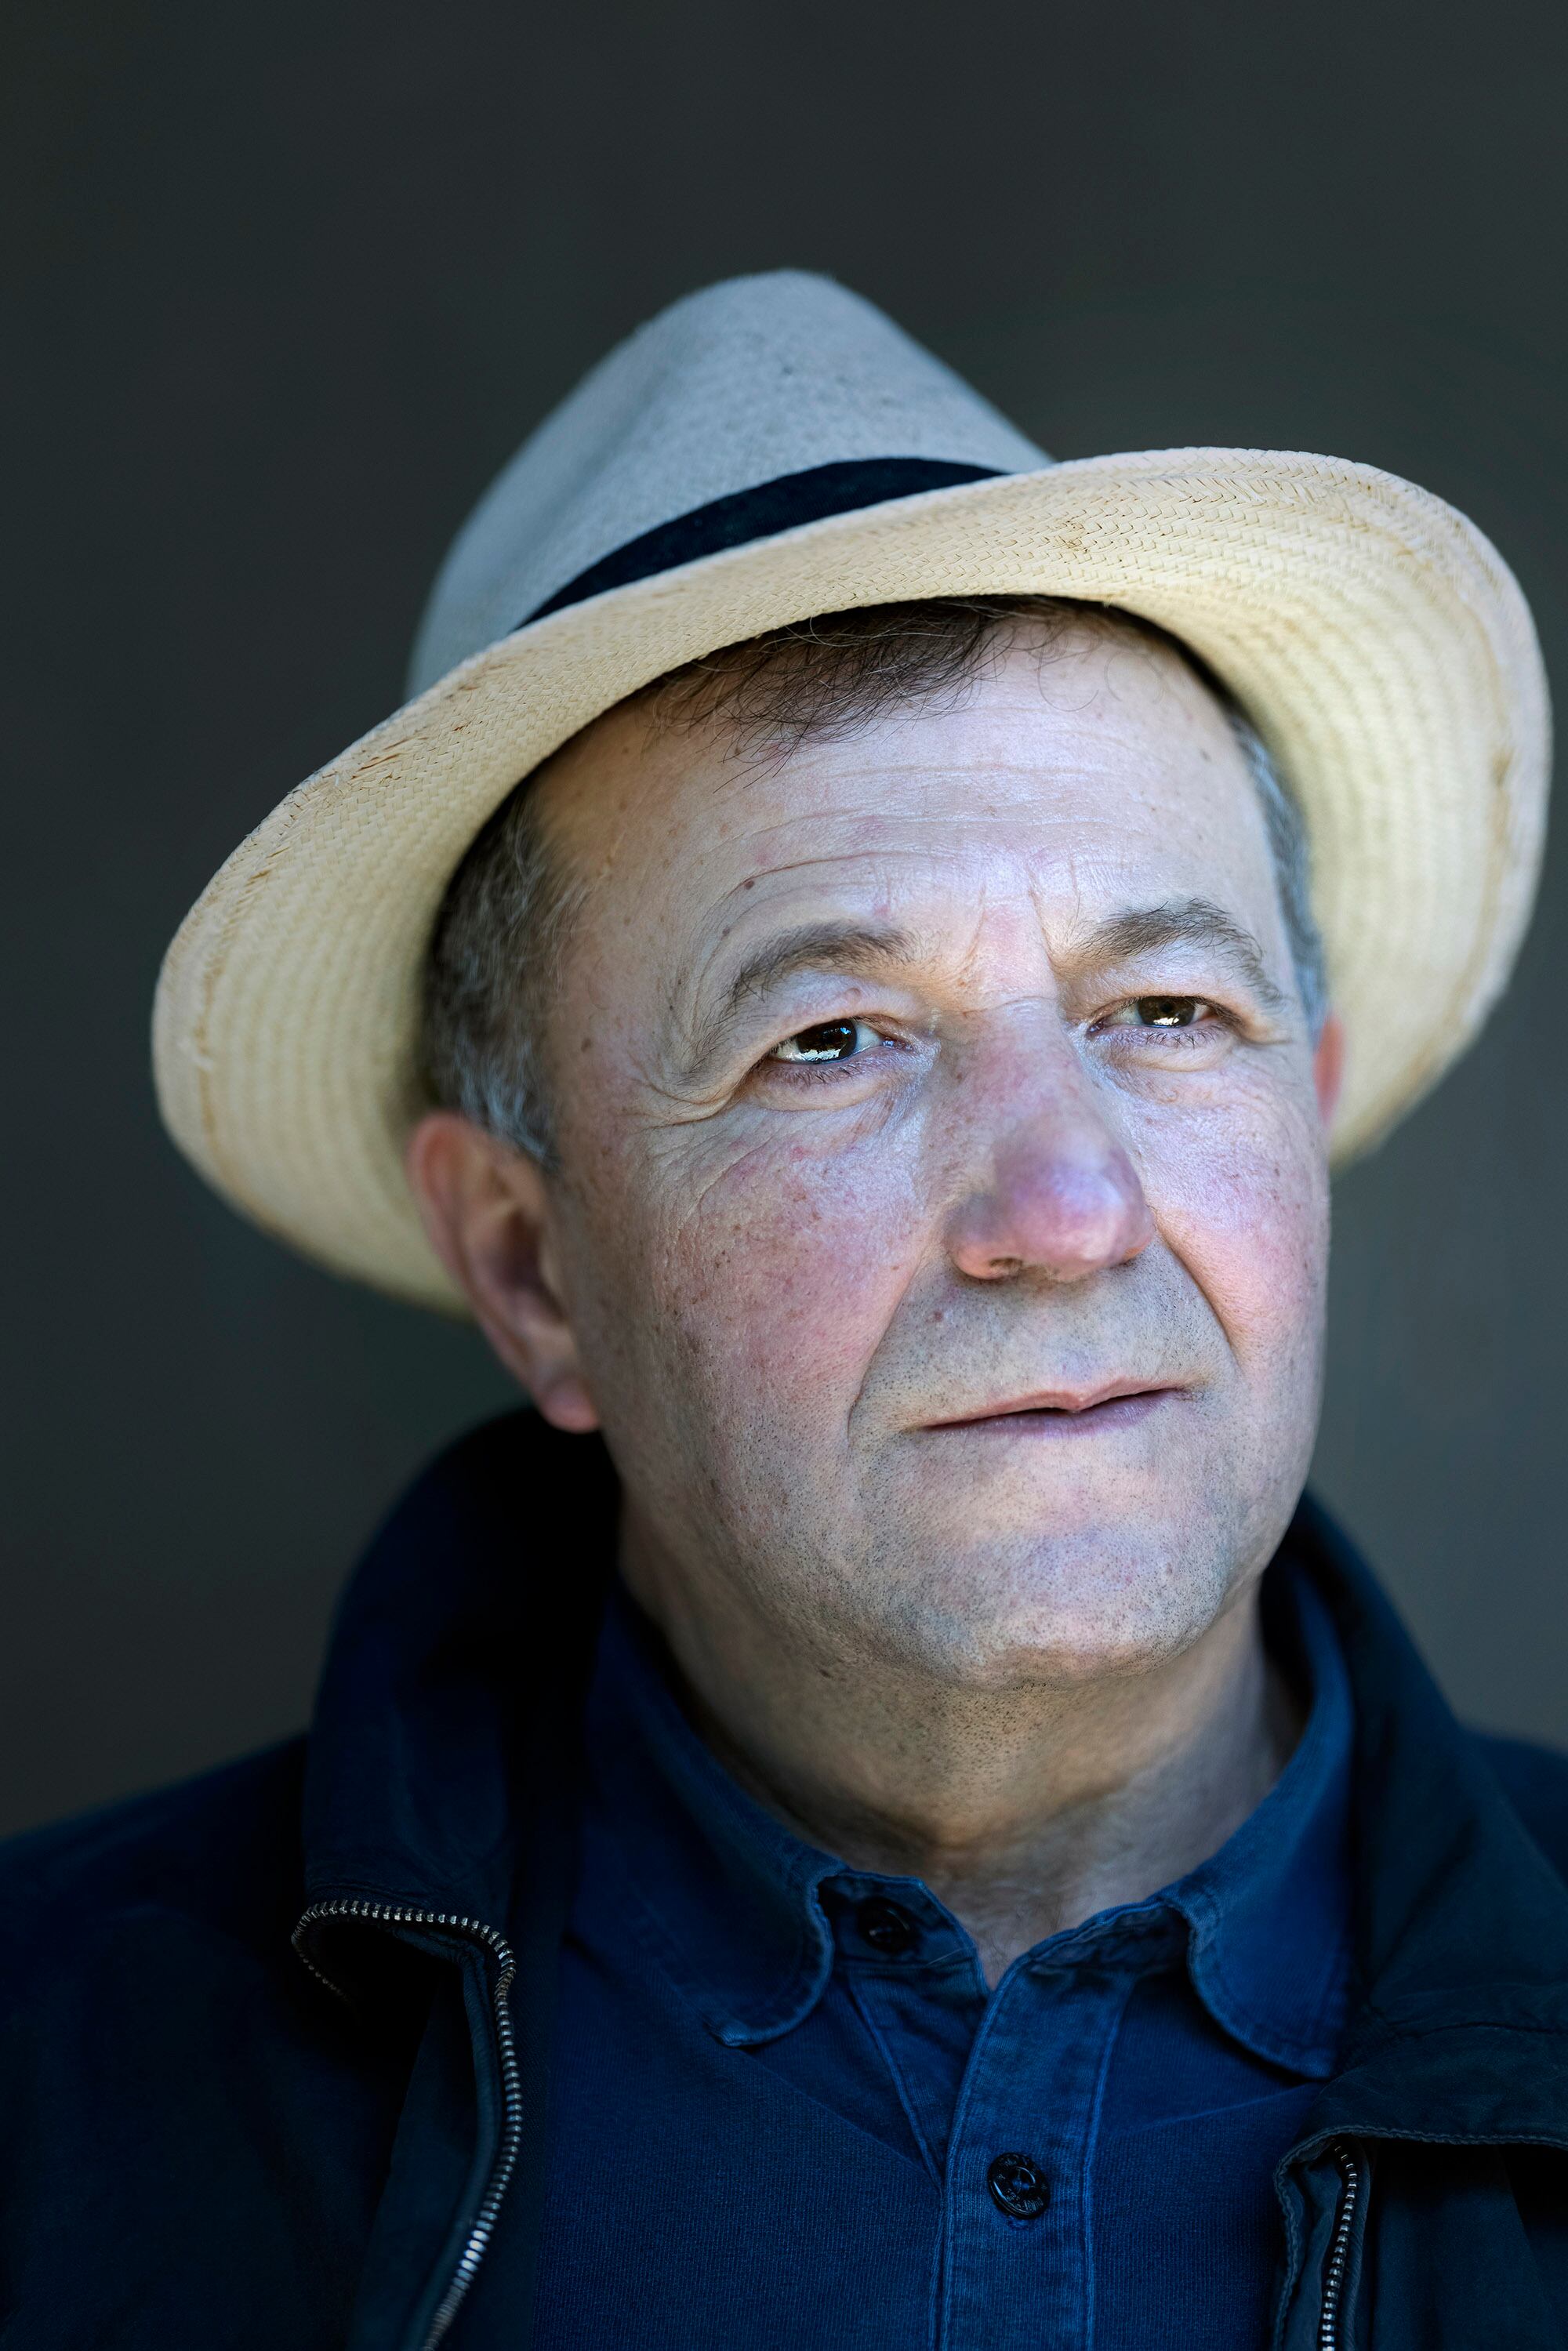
(871, 1816)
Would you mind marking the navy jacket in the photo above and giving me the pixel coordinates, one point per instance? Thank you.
(273, 2074)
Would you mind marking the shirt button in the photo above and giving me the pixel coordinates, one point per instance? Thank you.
(1019, 2187)
(888, 1929)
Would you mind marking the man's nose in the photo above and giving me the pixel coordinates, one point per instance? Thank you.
(1063, 1198)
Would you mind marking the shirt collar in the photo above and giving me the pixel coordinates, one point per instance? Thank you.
(746, 1916)
(1269, 1949)
(730, 1898)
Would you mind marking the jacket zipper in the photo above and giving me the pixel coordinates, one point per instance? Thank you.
(475, 1930)
(1339, 2246)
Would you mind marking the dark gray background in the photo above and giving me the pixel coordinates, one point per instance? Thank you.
(286, 285)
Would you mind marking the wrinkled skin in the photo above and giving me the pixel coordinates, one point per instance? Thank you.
(798, 1295)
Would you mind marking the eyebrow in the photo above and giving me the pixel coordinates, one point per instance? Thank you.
(1184, 922)
(865, 948)
(853, 947)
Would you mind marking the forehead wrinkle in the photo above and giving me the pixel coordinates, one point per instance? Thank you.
(993, 789)
(873, 866)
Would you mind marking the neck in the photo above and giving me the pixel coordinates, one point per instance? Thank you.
(1026, 1810)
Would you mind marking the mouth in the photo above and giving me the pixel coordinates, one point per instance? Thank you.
(1063, 1414)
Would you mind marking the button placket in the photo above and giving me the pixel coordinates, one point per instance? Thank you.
(1015, 2264)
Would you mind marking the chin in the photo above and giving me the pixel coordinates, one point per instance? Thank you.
(1066, 1612)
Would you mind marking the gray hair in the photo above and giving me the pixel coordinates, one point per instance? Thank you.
(497, 946)
(1291, 853)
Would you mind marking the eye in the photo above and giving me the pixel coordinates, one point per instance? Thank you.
(1167, 1016)
(829, 1040)
(1169, 1011)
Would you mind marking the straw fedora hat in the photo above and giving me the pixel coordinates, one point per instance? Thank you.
(769, 449)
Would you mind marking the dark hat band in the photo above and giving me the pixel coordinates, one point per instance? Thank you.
(762, 513)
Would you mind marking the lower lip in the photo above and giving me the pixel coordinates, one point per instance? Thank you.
(1116, 1412)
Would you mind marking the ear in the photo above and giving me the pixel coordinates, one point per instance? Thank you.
(1328, 1066)
(486, 1212)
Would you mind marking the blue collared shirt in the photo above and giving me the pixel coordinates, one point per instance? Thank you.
(787, 2111)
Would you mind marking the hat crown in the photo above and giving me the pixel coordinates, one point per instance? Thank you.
(747, 383)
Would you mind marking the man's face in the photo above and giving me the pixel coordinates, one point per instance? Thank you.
(942, 1209)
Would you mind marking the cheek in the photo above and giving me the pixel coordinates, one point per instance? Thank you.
(783, 1273)
(1244, 1204)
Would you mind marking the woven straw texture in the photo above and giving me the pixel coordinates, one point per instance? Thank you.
(1378, 641)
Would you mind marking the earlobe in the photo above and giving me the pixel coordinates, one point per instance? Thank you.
(1328, 1067)
(486, 1212)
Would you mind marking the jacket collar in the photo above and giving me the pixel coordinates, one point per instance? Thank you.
(455, 1662)
(1459, 2020)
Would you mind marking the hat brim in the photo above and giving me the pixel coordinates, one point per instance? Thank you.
(1379, 642)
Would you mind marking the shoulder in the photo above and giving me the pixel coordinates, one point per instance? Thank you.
(217, 1855)
(1536, 1780)
(170, 2068)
